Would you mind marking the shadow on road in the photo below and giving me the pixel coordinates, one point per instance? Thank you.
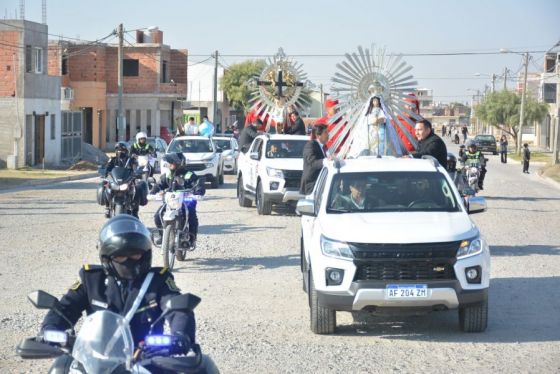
(524, 250)
(237, 264)
(520, 198)
(234, 228)
(520, 310)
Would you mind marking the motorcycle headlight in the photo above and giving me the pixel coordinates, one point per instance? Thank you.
(336, 249)
(123, 187)
(470, 248)
(174, 203)
(275, 173)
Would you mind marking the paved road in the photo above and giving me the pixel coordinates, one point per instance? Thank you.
(254, 316)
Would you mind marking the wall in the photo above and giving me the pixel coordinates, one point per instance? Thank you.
(88, 94)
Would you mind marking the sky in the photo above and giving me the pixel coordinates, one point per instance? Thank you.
(328, 27)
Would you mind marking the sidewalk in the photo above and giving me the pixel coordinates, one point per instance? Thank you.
(10, 179)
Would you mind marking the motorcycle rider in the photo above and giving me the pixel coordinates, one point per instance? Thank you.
(475, 156)
(121, 159)
(143, 148)
(455, 174)
(178, 177)
(125, 252)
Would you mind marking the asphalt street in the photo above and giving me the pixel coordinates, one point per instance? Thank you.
(254, 315)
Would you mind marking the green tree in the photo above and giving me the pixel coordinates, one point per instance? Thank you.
(234, 82)
(501, 110)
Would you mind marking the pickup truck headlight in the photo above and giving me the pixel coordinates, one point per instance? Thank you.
(333, 248)
(275, 173)
(470, 248)
(229, 157)
(209, 165)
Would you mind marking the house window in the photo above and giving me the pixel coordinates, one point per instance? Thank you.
(38, 54)
(549, 93)
(130, 67)
(53, 127)
(64, 66)
(28, 59)
(164, 72)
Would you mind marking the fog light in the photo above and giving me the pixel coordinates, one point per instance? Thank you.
(473, 274)
(274, 185)
(334, 276)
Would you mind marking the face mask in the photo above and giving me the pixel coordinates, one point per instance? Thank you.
(129, 269)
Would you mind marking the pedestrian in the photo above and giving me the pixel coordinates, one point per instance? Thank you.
(191, 128)
(443, 131)
(465, 131)
(314, 153)
(526, 158)
(429, 144)
(503, 149)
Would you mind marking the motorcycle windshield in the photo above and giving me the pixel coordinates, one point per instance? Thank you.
(120, 174)
(103, 343)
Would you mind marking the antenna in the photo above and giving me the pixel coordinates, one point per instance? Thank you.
(21, 9)
(44, 6)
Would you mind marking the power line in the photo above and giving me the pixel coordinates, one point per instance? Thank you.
(47, 33)
(395, 54)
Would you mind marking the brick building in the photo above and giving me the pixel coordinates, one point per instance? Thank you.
(154, 85)
(30, 131)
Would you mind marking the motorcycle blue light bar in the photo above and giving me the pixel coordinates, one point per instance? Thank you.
(158, 340)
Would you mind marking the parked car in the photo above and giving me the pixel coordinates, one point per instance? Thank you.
(202, 157)
(159, 144)
(230, 150)
(388, 234)
(486, 143)
(270, 172)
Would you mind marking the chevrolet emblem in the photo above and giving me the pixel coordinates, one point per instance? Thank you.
(439, 269)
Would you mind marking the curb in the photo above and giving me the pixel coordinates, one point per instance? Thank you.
(40, 182)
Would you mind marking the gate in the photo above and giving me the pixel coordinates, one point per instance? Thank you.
(71, 135)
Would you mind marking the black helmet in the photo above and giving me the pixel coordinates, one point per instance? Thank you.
(121, 148)
(174, 158)
(125, 235)
(470, 143)
(451, 162)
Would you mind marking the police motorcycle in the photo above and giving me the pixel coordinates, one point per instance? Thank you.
(104, 343)
(176, 239)
(120, 190)
(145, 160)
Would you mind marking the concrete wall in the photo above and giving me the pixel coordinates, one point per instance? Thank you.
(92, 95)
(53, 147)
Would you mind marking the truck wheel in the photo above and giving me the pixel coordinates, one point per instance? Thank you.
(264, 207)
(241, 198)
(221, 179)
(323, 320)
(215, 182)
(303, 267)
(474, 318)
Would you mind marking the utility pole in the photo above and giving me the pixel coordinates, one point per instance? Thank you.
(522, 110)
(556, 132)
(120, 124)
(505, 78)
(322, 99)
(493, 82)
(215, 113)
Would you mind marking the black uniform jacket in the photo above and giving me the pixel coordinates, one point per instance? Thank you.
(312, 164)
(191, 181)
(432, 146)
(96, 291)
(142, 150)
(248, 134)
(118, 161)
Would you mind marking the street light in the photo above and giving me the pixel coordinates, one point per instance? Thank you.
(522, 110)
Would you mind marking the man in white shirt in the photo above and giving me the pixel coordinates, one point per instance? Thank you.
(191, 128)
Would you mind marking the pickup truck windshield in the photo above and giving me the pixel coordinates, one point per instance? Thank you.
(391, 192)
(223, 143)
(285, 148)
(190, 146)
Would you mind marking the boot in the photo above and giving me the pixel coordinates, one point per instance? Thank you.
(107, 212)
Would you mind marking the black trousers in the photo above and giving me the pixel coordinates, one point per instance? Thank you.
(525, 166)
(503, 157)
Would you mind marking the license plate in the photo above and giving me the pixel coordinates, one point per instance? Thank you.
(406, 291)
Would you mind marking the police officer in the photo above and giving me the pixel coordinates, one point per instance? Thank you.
(142, 147)
(121, 159)
(455, 174)
(125, 252)
(179, 177)
(473, 155)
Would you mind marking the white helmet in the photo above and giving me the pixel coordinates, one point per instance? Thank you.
(140, 135)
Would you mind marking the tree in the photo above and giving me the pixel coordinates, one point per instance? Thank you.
(501, 110)
(234, 82)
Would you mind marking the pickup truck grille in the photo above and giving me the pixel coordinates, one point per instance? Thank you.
(424, 261)
(292, 178)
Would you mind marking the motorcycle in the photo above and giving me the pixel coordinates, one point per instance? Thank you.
(104, 343)
(122, 192)
(471, 170)
(146, 164)
(176, 239)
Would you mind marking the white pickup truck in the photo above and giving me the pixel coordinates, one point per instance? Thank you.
(270, 171)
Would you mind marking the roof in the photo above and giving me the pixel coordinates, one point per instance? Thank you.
(384, 164)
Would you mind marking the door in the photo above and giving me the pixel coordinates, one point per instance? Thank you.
(88, 126)
(254, 164)
(309, 223)
(39, 139)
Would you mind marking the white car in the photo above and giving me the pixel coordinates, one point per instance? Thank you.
(386, 234)
(230, 150)
(201, 155)
(270, 172)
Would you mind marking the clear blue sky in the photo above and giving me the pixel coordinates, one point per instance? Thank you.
(330, 27)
